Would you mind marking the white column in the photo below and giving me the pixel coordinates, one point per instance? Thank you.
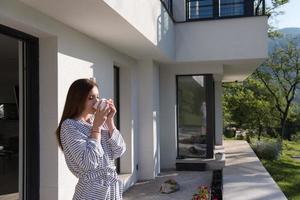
(49, 152)
(218, 111)
(149, 161)
(127, 111)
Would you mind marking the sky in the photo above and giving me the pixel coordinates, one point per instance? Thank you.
(291, 16)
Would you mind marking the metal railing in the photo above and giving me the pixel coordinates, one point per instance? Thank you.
(215, 9)
(212, 9)
(209, 9)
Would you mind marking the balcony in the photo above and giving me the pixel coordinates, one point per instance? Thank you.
(194, 10)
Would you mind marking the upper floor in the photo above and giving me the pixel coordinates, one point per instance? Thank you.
(232, 33)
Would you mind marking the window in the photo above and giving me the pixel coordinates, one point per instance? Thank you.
(194, 122)
(231, 8)
(200, 9)
(213, 9)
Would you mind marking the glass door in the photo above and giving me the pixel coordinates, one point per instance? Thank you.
(19, 115)
(194, 119)
(9, 118)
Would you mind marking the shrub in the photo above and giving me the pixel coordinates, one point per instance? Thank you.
(248, 138)
(296, 137)
(239, 137)
(267, 149)
(229, 132)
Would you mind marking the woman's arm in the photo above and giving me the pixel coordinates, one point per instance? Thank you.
(87, 152)
(117, 144)
(115, 140)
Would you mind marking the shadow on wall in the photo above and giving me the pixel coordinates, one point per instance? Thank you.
(165, 33)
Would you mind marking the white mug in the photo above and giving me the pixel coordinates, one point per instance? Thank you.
(103, 104)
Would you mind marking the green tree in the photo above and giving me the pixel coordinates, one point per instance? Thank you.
(272, 12)
(246, 104)
(280, 74)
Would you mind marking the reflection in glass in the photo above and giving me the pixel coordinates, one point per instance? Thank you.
(200, 9)
(192, 114)
(231, 8)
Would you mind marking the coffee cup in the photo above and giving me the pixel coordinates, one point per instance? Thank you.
(103, 104)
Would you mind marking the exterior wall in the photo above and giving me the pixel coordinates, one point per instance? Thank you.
(65, 55)
(179, 10)
(227, 39)
(147, 90)
(129, 121)
(151, 19)
(149, 164)
(168, 125)
(218, 110)
(49, 154)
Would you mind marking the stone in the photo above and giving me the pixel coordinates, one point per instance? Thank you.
(169, 186)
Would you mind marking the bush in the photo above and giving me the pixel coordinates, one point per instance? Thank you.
(229, 132)
(296, 137)
(248, 138)
(268, 149)
(239, 137)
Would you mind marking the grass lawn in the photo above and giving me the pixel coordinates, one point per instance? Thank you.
(286, 170)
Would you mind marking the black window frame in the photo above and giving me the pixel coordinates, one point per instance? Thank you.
(31, 144)
(242, 3)
(251, 8)
(210, 110)
(117, 104)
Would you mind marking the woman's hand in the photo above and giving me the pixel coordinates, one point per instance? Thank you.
(113, 109)
(101, 116)
(110, 117)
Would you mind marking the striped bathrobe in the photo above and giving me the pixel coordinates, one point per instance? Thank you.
(92, 162)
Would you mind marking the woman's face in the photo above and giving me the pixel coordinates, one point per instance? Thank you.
(92, 98)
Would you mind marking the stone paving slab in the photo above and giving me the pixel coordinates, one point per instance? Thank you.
(244, 177)
(188, 181)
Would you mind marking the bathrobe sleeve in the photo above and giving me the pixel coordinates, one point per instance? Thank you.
(117, 144)
(85, 151)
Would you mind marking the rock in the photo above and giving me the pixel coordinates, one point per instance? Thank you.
(169, 186)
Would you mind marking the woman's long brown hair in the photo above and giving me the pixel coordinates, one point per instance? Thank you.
(75, 102)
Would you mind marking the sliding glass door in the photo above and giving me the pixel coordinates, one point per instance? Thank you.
(19, 115)
(194, 116)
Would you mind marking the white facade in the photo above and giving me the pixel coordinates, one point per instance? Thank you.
(139, 37)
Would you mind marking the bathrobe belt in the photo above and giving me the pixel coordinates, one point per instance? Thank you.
(108, 175)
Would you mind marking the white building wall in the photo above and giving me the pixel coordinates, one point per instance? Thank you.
(65, 55)
(148, 91)
(179, 10)
(49, 154)
(129, 122)
(151, 19)
(218, 110)
(227, 39)
(168, 140)
(148, 165)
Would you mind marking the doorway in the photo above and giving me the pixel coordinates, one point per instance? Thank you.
(9, 117)
(195, 116)
(19, 115)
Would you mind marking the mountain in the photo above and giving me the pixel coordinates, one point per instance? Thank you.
(290, 32)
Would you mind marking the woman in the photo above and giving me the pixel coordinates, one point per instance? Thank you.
(91, 142)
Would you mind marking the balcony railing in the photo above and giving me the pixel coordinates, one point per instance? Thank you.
(215, 9)
(209, 9)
